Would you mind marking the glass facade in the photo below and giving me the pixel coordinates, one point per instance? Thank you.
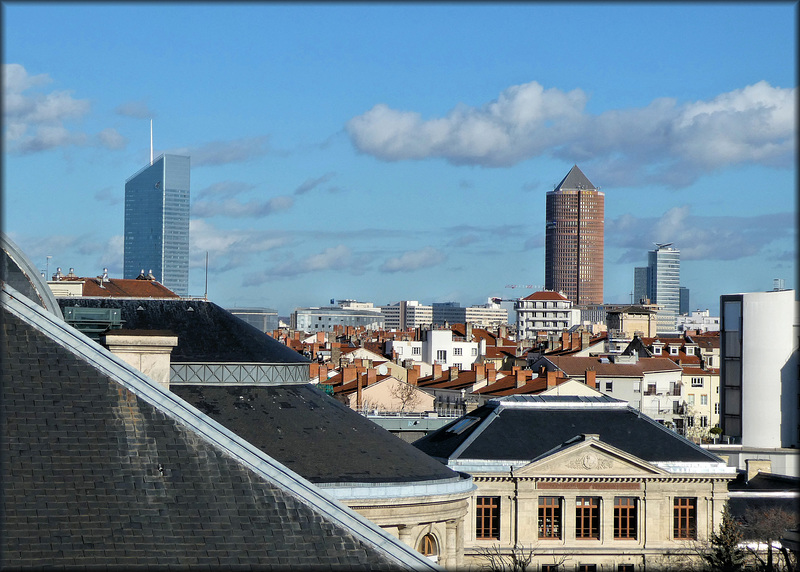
(157, 223)
(664, 277)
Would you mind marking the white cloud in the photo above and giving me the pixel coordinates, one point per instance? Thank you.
(229, 248)
(414, 260)
(662, 142)
(135, 109)
(35, 121)
(310, 184)
(112, 139)
(698, 237)
(339, 258)
(238, 209)
(225, 152)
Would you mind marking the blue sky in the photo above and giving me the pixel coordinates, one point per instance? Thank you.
(386, 152)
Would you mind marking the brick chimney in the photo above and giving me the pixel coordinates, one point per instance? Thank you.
(320, 337)
(591, 378)
(491, 375)
(323, 373)
(453, 373)
(437, 370)
(349, 373)
(371, 375)
(313, 369)
(585, 337)
(520, 377)
(413, 375)
(358, 393)
(480, 371)
(551, 379)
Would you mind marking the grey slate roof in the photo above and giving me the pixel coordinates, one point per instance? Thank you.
(206, 332)
(101, 467)
(575, 180)
(313, 434)
(523, 427)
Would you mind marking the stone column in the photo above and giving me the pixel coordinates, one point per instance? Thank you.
(451, 544)
(404, 534)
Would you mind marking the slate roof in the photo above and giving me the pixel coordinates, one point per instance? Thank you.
(574, 181)
(206, 332)
(523, 427)
(102, 467)
(313, 434)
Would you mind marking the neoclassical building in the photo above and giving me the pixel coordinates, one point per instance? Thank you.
(584, 482)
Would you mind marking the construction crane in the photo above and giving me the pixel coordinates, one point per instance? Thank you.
(536, 287)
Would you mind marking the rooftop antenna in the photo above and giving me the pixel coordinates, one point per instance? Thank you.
(151, 141)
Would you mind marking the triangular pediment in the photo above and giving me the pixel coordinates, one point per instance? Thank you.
(589, 457)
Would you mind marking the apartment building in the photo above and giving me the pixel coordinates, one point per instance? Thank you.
(441, 347)
(406, 314)
(543, 313)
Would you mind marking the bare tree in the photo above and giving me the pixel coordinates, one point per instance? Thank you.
(766, 526)
(516, 559)
(406, 394)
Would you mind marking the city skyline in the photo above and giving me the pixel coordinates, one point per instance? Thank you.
(404, 152)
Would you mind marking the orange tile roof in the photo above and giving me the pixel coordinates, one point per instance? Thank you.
(577, 366)
(122, 288)
(547, 295)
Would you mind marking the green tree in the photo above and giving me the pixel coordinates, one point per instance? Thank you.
(725, 554)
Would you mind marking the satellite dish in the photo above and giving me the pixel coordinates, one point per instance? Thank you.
(382, 369)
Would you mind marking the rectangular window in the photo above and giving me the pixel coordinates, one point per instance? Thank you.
(703, 421)
(474, 351)
(684, 518)
(697, 382)
(625, 568)
(587, 517)
(716, 408)
(609, 386)
(587, 567)
(549, 567)
(416, 350)
(704, 400)
(487, 518)
(691, 399)
(441, 355)
(549, 517)
(625, 518)
(456, 351)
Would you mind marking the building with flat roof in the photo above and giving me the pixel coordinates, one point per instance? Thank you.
(157, 222)
(758, 377)
(327, 318)
(265, 319)
(573, 263)
(407, 314)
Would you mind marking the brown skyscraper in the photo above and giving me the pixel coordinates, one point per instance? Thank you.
(573, 262)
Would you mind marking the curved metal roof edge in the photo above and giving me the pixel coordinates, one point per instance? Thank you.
(233, 445)
(46, 298)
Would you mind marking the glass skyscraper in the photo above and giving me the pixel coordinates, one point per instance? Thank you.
(157, 222)
(664, 277)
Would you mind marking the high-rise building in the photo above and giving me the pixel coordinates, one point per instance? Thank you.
(684, 301)
(574, 239)
(639, 285)
(758, 377)
(157, 222)
(663, 285)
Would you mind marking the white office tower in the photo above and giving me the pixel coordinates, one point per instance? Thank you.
(759, 373)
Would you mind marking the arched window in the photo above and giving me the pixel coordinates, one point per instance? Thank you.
(428, 545)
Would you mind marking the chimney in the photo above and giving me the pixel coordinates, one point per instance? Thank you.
(480, 371)
(320, 337)
(551, 379)
(468, 331)
(349, 373)
(323, 374)
(755, 466)
(491, 375)
(520, 377)
(371, 375)
(437, 370)
(453, 373)
(358, 393)
(502, 332)
(565, 341)
(313, 369)
(585, 337)
(413, 375)
(591, 378)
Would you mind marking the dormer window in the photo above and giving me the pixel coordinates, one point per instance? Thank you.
(673, 350)
(656, 350)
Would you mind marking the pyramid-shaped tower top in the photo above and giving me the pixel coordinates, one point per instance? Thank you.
(575, 180)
